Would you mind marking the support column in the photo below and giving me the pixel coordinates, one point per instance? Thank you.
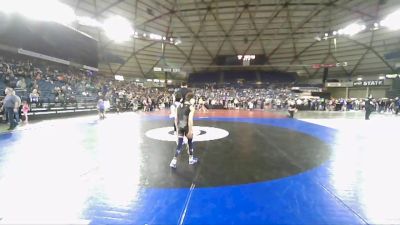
(165, 78)
(347, 92)
(258, 76)
(221, 77)
(367, 92)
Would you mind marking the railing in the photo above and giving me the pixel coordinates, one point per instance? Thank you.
(59, 108)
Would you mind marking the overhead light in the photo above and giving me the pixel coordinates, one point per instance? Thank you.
(334, 32)
(177, 42)
(381, 77)
(57, 12)
(10, 6)
(164, 38)
(87, 21)
(375, 26)
(156, 80)
(137, 80)
(149, 80)
(360, 78)
(155, 37)
(169, 81)
(45, 10)
(352, 29)
(392, 21)
(326, 34)
(144, 35)
(118, 28)
(317, 38)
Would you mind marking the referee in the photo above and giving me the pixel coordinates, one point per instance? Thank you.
(183, 91)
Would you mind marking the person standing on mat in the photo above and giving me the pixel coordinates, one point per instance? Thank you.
(176, 103)
(291, 108)
(369, 107)
(184, 126)
(101, 108)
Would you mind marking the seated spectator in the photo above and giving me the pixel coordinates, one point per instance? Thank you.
(34, 96)
(21, 84)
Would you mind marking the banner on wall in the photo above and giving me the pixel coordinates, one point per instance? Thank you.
(339, 84)
(366, 83)
(392, 76)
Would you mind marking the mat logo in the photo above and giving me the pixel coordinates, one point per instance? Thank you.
(200, 133)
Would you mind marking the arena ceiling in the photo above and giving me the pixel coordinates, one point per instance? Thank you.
(284, 30)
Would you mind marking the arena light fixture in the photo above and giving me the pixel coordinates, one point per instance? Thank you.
(381, 77)
(137, 80)
(118, 29)
(87, 21)
(10, 6)
(352, 29)
(58, 12)
(360, 78)
(155, 37)
(44, 10)
(392, 21)
(177, 42)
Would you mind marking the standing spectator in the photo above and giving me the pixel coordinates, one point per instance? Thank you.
(19, 107)
(10, 107)
(397, 105)
(101, 108)
(369, 107)
(202, 105)
(25, 110)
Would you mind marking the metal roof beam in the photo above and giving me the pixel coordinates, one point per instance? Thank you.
(108, 7)
(313, 14)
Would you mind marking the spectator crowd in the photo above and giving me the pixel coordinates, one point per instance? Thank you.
(37, 82)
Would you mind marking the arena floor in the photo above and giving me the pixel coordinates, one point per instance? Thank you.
(255, 168)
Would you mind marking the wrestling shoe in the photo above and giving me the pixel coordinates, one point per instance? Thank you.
(192, 160)
(173, 163)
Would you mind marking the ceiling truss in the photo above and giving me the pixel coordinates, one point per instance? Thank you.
(282, 30)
